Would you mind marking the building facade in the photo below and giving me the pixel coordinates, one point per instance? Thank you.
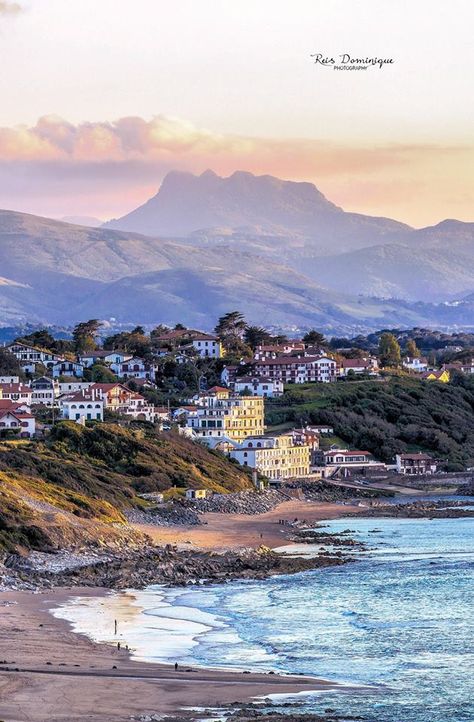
(258, 386)
(276, 457)
(415, 464)
(297, 370)
(227, 415)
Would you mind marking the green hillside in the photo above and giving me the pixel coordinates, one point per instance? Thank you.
(389, 416)
(81, 480)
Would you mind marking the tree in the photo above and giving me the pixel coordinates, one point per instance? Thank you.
(314, 338)
(231, 324)
(136, 342)
(9, 364)
(256, 336)
(40, 338)
(100, 374)
(230, 329)
(84, 335)
(389, 350)
(412, 349)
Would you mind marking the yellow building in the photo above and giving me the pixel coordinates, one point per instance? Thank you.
(276, 457)
(442, 376)
(222, 414)
(197, 494)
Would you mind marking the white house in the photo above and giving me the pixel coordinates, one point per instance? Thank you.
(18, 421)
(185, 413)
(357, 366)
(88, 359)
(44, 391)
(276, 457)
(297, 369)
(70, 387)
(9, 379)
(344, 457)
(20, 393)
(258, 386)
(134, 368)
(415, 464)
(32, 355)
(82, 406)
(207, 346)
(68, 368)
(275, 350)
(229, 374)
(419, 365)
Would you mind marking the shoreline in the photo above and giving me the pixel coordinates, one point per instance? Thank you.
(57, 674)
(51, 672)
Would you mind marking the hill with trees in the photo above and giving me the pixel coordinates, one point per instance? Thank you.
(80, 482)
(393, 415)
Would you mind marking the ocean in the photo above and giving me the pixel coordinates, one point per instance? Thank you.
(397, 624)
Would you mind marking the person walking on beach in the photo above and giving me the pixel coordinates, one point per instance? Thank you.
(175, 666)
(118, 646)
(115, 626)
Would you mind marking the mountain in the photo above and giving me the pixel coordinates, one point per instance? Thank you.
(257, 206)
(286, 256)
(436, 265)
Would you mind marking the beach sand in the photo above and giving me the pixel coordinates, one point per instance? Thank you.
(56, 675)
(237, 531)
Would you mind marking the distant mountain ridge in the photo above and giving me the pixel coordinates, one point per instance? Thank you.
(292, 259)
(261, 205)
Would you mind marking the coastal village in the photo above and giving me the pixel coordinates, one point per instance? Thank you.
(249, 369)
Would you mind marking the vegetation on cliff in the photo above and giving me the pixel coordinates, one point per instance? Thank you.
(93, 475)
(395, 415)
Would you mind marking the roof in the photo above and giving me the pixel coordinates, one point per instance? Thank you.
(35, 348)
(9, 404)
(355, 363)
(435, 374)
(415, 457)
(109, 387)
(254, 379)
(68, 361)
(205, 337)
(291, 360)
(15, 388)
(218, 390)
(102, 353)
(83, 395)
(16, 414)
(348, 453)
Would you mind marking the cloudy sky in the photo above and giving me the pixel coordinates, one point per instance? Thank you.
(101, 98)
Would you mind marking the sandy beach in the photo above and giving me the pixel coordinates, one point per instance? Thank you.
(48, 672)
(237, 531)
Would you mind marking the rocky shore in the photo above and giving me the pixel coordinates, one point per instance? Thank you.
(258, 712)
(420, 510)
(139, 568)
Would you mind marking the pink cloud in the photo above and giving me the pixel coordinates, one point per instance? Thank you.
(107, 168)
(9, 8)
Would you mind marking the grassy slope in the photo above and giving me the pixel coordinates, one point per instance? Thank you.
(386, 417)
(94, 474)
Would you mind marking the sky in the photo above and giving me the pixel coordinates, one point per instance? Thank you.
(100, 99)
